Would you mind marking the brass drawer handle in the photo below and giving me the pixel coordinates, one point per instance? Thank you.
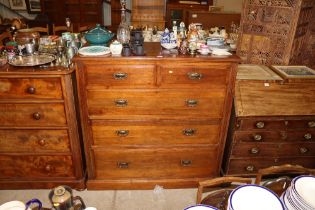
(194, 75)
(31, 90)
(42, 142)
(308, 136)
(189, 132)
(186, 163)
(254, 150)
(250, 168)
(48, 168)
(37, 116)
(303, 150)
(257, 137)
(260, 125)
(122, 133)
(191, 102)
(121, 102)
(120, 75)
(123, 165)
(311, 124)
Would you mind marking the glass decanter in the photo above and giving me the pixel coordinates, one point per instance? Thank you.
(123, 31)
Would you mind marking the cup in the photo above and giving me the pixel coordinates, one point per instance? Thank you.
(126, 51)
(30, 48)
(139, 50)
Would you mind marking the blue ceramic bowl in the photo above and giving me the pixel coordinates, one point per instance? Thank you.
(98, 36)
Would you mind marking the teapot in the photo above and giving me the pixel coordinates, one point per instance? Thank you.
(62, 199)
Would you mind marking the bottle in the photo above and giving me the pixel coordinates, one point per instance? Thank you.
(123, 31)
(174, 28)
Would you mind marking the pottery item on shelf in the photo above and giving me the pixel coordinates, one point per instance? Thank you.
(98, 36)
(115, 48)
(126, 51)
(62, 199)
(24, 36)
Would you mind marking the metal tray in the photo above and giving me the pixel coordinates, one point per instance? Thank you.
(32, 60)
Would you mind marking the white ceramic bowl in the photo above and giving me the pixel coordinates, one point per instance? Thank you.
(254, 197)
(13, 205)
(201, 207)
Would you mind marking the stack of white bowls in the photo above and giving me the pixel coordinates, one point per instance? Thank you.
(301, 194)
(254, 197)
(201, 207)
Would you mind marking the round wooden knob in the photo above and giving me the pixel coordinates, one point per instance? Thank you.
(37, 116)
(42, 142)
(48, 168)
(308, 136)
(311, 124)
(257, 137)
(31, 90)
(260, 125)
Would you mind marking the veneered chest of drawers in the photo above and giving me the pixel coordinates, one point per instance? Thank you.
(154, 120)
(273, 122)
(39, 139)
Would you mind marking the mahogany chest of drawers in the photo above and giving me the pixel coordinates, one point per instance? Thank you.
(39, 139)
(272, 123)
(154, 120)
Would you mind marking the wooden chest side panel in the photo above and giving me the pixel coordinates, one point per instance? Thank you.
(261, 99)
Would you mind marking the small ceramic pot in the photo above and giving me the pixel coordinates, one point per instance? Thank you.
(115, 48)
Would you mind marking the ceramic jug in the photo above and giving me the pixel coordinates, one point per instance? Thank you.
(62, 199)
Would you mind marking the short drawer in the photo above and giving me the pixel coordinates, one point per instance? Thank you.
(156, 163)
(139, 134)
(34, 141)
(252, 165)
(115, 76)
(307, 135)
(269, 124)
(270, 149)
(32, 115)
(106, 104)
(190, 76)
(37, 167)
(30, 88)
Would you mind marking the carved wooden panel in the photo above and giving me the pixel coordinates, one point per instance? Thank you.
(276, 32)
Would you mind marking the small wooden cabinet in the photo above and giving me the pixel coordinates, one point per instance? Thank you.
(154, 120)
(273, 122)
(39, 139)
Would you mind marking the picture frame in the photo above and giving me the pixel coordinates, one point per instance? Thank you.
(295, 73)
(17, 4)
(33, 6)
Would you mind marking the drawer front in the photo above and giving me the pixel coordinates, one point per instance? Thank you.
(36, 167)
(156, 163)
(111, 76)
(190, 76)
(155, 134)
(264, 124)
(34, 140)
(251, 165)
(180, 103)
(18, 88)
(32, 115)
(269, 149)
(307, 135)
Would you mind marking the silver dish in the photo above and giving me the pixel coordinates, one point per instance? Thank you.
(32, 60)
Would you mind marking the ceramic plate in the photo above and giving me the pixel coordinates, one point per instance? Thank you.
(94, 50)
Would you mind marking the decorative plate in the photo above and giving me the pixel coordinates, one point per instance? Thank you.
(32, 60)
(94, 50)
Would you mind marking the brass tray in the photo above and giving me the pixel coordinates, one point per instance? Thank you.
(32, 60)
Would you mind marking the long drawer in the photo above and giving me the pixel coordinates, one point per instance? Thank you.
(32, 115)
(37, 167)
(115, 76)
(192, 76)
(30, 88)
(156, 163)
(34, 141)
(273, 124)
(270, 149)
(307, 135)
(202, 103)
(144, 134)
(252, 165)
